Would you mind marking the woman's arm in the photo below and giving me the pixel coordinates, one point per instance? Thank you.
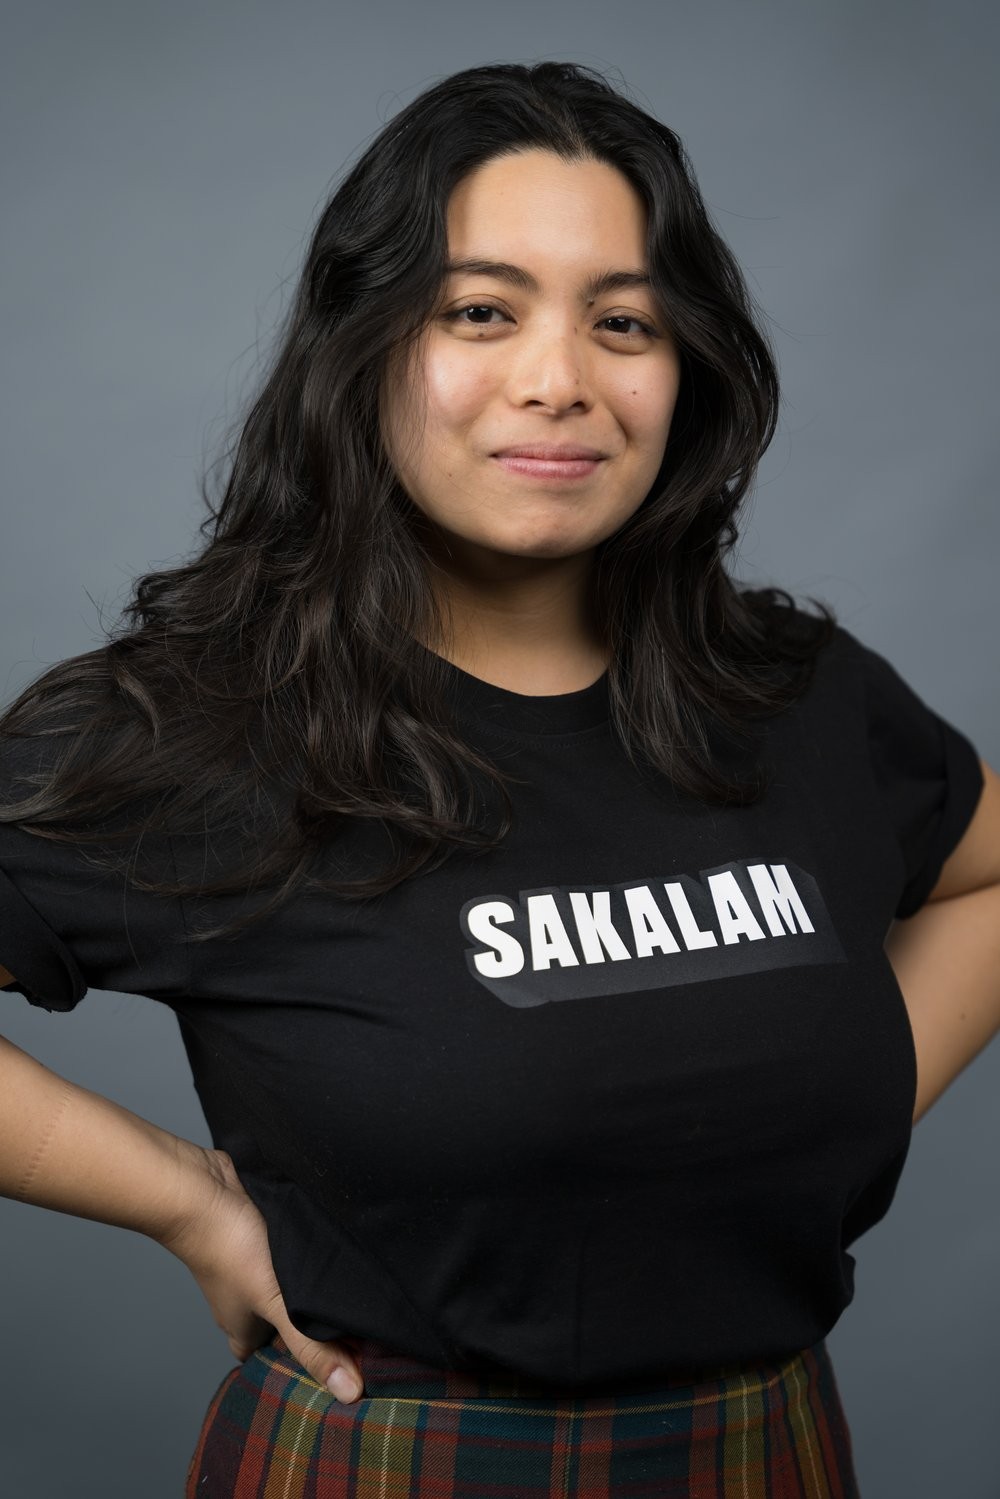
(64, 1147)
(946, 956)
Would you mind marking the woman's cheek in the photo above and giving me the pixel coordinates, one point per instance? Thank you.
(456, 388)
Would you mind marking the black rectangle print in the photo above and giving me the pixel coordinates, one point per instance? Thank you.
(573, 941)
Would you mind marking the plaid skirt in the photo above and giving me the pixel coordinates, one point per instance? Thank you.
(767, 1431)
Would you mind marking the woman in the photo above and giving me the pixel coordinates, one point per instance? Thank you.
(521, 884)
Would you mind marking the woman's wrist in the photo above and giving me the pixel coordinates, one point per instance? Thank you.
(198, 1182)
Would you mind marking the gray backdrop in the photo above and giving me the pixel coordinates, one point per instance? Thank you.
(162, 167)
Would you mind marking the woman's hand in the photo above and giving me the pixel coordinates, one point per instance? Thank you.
(226, 1249)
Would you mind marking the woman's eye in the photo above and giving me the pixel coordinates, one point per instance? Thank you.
(621, 317)
(459, 313)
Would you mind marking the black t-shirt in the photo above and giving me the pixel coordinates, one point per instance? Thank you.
(607, 1104)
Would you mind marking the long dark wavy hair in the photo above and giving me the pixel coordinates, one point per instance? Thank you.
(273, 687)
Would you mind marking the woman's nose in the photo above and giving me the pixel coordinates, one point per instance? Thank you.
(550, 368)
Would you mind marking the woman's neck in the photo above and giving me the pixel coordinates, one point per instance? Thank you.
(534, 634)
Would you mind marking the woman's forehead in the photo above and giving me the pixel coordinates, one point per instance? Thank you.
(537, 200)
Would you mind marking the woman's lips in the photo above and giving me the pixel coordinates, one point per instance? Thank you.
(548, 468)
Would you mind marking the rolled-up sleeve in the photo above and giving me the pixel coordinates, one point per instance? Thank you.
(44, 969)
(928, 773)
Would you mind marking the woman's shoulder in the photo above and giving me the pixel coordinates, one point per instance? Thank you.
(852, 693)
(793, 629)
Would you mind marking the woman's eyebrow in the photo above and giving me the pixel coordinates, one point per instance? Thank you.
(515, 275)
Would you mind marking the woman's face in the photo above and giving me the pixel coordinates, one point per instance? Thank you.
(534, 356)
